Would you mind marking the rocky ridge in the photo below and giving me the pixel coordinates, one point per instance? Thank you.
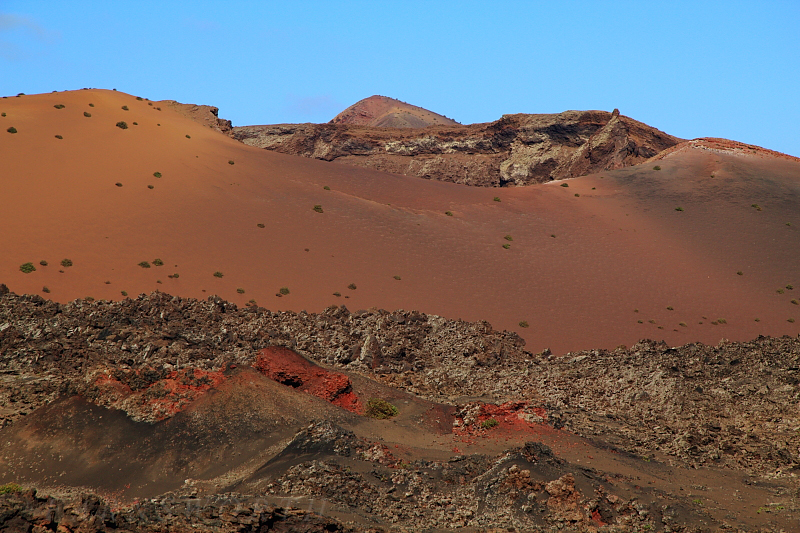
(731, 405)
(518, 149)
(204, 114)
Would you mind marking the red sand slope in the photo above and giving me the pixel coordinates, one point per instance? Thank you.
(619, 246)
(385, 112)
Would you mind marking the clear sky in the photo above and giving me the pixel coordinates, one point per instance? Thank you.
(693, 69)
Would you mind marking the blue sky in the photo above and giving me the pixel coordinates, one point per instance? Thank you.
(716, 69)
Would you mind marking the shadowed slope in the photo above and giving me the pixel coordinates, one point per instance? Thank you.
(574, 270)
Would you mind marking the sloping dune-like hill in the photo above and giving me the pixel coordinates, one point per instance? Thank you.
(702, 248)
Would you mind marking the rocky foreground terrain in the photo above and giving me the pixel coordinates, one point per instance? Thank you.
(518, 149)
(669, 418)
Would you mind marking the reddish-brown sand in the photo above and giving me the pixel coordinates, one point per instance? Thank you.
(382, 111)
(576, 271)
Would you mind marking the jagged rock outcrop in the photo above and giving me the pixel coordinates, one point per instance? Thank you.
(204, 114)
(518, 149)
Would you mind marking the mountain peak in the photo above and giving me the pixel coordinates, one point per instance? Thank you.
(382, 111)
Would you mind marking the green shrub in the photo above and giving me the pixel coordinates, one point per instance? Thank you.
(59, 137)
(740, 273)
(397, 278)
(523, 324)
(188, 136)
(59, 106)
(577, 195)
(158, 262)
(656, 167)
(139, 98)
(46, 289)
(10, 488)
(678, 209)
(506, 246)
(218, 274)
(144, 264)
(380, 409)
(12, 129)
(670, 308)
(3, 114)
(43, 263)
(27, 268)
(118, 184)
(489, 423)
(135, 123)
(779, 291)
(284, 290)
(66, 262)
(722, 321)
(91, 105)
(326, 188)
(448, 213)
(791, 320)
(796, 302)
(790, 287)
(337, 294)
(240, 290)
(87, 114)
(683, 324)
(151, 187)
(261, 225)
(496, 198)
(122, 125)
(125, 108)
(318, 208)
(157, 174)
(508, 238)
(565, 184)
(756, 207)
(230, 162)
(352, 286)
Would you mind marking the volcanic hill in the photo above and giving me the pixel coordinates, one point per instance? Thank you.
(200, 334)
(697, 245)
(385, 112)
(514, 150)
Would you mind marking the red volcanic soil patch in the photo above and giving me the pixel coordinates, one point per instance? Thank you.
(288, 368)
(499, 421)
(147, 396)
(382, 111)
